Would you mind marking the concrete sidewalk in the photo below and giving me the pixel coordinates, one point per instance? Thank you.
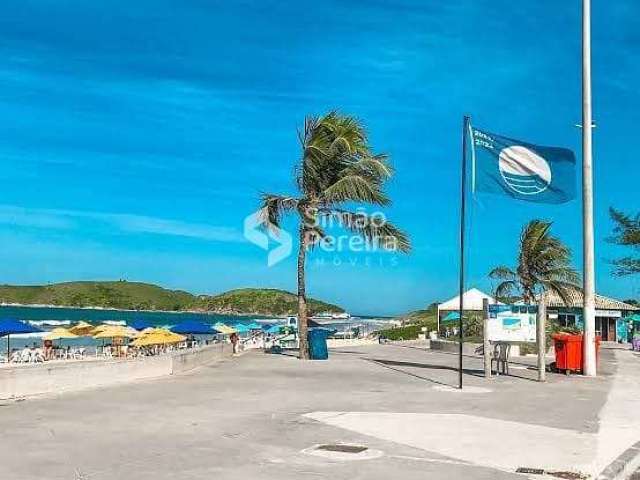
(260, 417)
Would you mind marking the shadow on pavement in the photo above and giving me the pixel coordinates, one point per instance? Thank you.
(395, 366)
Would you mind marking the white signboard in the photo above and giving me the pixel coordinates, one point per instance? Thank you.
(512, 323)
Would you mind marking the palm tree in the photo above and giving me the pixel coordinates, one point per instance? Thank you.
(626, 233)
(337, 168)
(544, 264)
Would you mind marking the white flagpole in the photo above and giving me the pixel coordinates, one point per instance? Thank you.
(589, 311)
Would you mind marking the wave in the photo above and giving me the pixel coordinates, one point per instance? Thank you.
(51, 323)
(28, 335)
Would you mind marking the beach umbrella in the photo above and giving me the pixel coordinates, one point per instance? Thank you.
(274, 329)
(59, 333)
(157, 336)
(9, 326)
(97, 329)
(451, 317)
(224, 329)
(254, 326)
(266, 326)
(82, 329)
(114, 331)
(141, 324)
(192, 327)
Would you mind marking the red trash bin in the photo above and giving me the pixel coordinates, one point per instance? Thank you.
(568, 349)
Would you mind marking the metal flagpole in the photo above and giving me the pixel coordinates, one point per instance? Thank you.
(589, 354)
(463, 187)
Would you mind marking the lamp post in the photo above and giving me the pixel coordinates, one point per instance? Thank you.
(589, 311)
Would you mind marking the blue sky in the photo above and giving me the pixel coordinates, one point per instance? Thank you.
(136, 136)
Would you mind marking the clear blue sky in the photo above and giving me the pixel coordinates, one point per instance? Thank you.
(136, 136)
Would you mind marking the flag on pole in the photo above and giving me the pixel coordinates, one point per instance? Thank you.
(521, 170)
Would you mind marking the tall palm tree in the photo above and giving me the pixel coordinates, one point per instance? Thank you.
(337, 168)
(544, 264)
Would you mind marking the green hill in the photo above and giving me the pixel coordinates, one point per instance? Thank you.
(145, 296)
(262, 301)
(120, 294)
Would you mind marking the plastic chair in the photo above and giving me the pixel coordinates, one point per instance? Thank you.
(500, 355)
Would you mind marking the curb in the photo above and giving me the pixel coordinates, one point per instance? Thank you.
(623, 467)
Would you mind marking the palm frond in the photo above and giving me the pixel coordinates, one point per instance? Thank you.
(544, 263)
(355, 188)
(502, 273)
(381, 233)
(626, 233)
(274, 207)
(506, 289)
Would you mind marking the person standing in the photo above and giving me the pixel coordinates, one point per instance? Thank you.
(234, 342)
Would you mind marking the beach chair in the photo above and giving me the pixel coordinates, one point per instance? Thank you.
(36, 356)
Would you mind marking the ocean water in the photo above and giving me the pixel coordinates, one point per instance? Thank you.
(73, 315)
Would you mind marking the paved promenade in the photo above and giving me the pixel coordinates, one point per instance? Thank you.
(260, 416)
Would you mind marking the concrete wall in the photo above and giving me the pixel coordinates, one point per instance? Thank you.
(449, 346)
(47, 378)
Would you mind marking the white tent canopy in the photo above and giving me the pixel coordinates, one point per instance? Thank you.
(472, 301)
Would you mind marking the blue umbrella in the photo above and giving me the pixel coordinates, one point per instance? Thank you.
(140, 324)
(11, 325)
(192, 327)
(451, 317)
(274, 329)
(254, 325)
(266, 326)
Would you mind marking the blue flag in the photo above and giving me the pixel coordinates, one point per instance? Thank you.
(521, 170)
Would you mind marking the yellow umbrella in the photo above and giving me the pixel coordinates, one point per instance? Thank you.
(58, 333)
(224, 329)
(82, 329)
(114, 331)
(157, 336)
(98, 329)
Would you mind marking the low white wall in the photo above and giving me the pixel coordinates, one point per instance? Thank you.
(183, 362)
(46, 378)
(349, 342)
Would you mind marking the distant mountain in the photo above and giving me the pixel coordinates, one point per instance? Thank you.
(120, 294)
(262, 301)
(144, 296)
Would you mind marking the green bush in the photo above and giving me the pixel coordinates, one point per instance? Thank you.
(409, 332)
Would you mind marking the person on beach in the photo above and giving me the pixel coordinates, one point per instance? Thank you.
(234, 341)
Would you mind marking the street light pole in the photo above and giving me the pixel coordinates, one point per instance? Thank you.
(589, 311)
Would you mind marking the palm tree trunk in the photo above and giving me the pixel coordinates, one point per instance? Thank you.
(302, 297)
(541, 332)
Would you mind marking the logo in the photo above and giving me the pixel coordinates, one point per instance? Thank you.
(526, 172)
(256, 231)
